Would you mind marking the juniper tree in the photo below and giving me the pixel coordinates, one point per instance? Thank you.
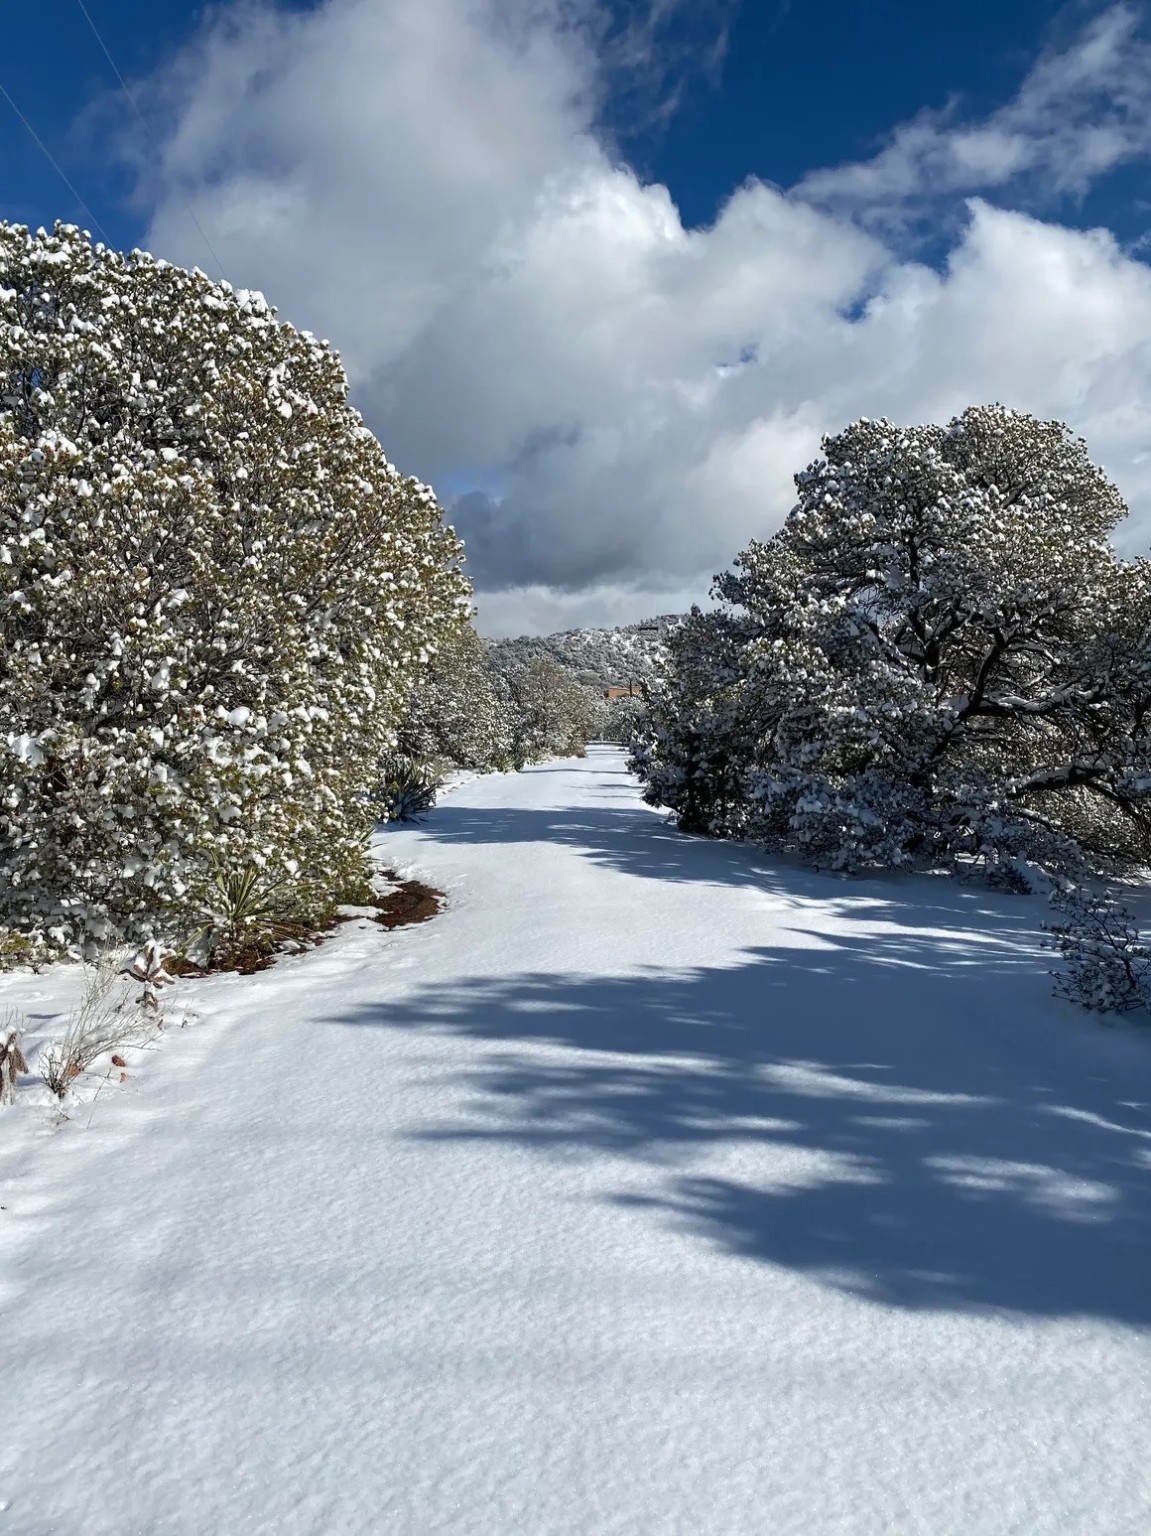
(621, 718)
(215, 595)
(938, 654)
(691, 746)
(553, 714)
(458, 716)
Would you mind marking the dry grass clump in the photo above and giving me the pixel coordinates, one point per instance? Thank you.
(107, 1019)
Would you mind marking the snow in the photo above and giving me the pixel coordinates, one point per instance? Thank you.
(649, 1189)
(26, 749)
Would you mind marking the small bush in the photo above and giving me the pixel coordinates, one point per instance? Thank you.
(20, 950)
(106, 1020)
(150, 967)
(1106, 965)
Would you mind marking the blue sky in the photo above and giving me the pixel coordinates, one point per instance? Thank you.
(807, 85)
(54, 71)
(800, 86)
(604, 275)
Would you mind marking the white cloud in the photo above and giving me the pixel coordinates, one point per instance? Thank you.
(1080, 113)
(425, 185)
(361, 158)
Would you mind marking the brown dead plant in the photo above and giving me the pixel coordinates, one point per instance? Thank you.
(12, 1061)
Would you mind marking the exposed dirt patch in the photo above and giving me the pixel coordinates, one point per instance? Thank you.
(246, 962)
(261, 955)
(241, 962)
(411, 902)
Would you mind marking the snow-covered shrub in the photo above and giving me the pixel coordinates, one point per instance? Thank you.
(215, 596)
(407, 789)
(691, 746)
(150, 967)
(18, 950)
(1106, 964)
(459, 716)
(938, 659)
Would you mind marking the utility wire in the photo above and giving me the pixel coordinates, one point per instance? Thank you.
(146, 126)
(54, 163)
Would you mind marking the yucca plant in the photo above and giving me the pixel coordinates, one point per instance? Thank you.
(407, 790)
(246, 912)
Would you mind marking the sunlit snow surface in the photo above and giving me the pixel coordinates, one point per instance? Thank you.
(651, 1189)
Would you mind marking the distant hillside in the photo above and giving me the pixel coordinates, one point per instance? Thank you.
(600, 657)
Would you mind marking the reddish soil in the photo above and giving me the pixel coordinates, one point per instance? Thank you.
(410, 902)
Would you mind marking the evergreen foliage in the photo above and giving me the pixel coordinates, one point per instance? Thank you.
(633, 653)
(623, 718)
(215, 596)
(553, 714)
(939, 657)
(460, 715)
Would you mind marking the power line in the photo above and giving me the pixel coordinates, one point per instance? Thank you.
(146, 126)
(54, 163)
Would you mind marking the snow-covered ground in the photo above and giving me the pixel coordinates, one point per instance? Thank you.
(648, 1190)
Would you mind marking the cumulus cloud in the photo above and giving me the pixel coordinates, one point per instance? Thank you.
(614, 404)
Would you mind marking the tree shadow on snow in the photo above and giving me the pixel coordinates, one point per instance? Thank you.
(910, 1117)
(634, 840)
(915, 1139)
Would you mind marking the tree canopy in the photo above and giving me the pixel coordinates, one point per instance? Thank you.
(215, 594)
(939, 654)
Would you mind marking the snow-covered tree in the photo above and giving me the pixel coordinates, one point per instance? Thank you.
(939, 654)
(691, 746)
(622, 718)
(459, 716)
(553, 715)
(215, 596)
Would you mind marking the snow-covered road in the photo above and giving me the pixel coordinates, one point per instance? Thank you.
(648, 1190)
